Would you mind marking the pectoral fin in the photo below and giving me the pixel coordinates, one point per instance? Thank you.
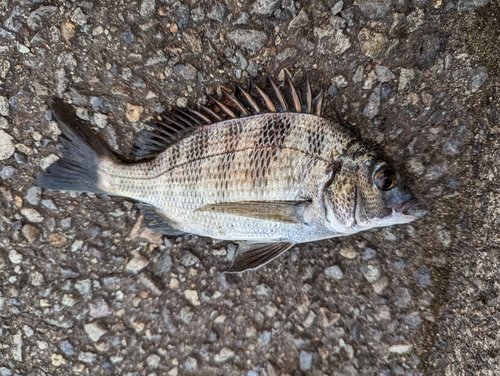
(254, 255)
(277, 211)
(157, 222)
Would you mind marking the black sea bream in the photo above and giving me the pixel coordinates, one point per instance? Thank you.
(259, 166)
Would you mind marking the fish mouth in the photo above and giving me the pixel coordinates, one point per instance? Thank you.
(404, 206)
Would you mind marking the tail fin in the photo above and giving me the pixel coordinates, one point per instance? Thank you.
(82, 151)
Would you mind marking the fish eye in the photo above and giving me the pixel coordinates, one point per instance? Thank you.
(385, 179)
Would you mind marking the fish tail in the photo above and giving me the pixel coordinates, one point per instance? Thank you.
(82, 152)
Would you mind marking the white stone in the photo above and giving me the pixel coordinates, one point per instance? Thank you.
(137, 263)
(6, 145)
(224, 355)
(94, 331)
(400, 348)
(15, 257)
(32, 215)
(192, 297)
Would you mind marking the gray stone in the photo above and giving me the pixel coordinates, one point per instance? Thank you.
(413, 320)
(374, 9)
(401, 297)
(30, 233)
(32, 215)
(182, 16)
(265, 338)
(373, 106)
(33, 195)
(384, 74)
(87, 357)
(217, 12)
(478, 77)
(163, 265)
(337, 8)
(252, 40)
(423, 276)
(4, 124)
(15, 21)
(67, 348)
(147, 9)
(468, 5)
(369, 254)
(358, 75)
(334, 272)
(406, 79)
(242, 19)
(8, 171)
(4, 106)
(40, 16)
(4, 371)
(371, 272)
(265, 7)
(431, 45)
(191, 364)
(372, 44)
(79, 17)
(185, 71)
(331, 41)
(306, 360)
(337, 22)
(224, 355)
(153, 361)
(299, 21)
(94, 331)
(454, 141)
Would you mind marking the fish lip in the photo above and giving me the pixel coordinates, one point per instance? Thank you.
(404, 206)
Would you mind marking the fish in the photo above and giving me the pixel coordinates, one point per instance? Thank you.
(261, 166)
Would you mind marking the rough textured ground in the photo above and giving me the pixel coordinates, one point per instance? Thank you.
(86, 290)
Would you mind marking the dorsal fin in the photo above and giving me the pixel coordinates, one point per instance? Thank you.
(171, 126)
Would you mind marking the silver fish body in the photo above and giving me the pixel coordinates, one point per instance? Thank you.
(270, 179)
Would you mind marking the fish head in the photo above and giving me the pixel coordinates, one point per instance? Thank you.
(366, 195)
(382, 198)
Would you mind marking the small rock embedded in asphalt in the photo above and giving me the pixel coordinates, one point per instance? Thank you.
(299, 21)
(6, 145)
(334, 272)
(185, 71)
(15, 257)
(191, 364)
(147, 8)
(4, 106)
(265, 7)
(32, 215)
(372, 44)
(306, 359)
(192, 297)
(94, 331)
(373, 106)
(224, 355)
(182, 16)
(384, 74)
(371, 272)
(39, 17)
(478, 77)
(138, 262)
(454, 141)
(469, 5)
(400, 348)
(337, 8)
(423, 276)
(8, 172)
(406, 78)
(30, 232)
(217, 12)
(133, 112)
(252, 40)
(153, 361)
(33, 195)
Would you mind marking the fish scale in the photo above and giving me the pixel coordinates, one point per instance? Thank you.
(271, 179)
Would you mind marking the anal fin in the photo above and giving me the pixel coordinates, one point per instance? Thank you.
(156, 222)
(255, 255)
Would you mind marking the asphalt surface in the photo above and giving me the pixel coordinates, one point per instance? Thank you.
(85, 289)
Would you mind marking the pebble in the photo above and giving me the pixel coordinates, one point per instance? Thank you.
(192, 297)
(186, 71)
(224, 355)
(423, 276)
(337, 8)
(79, 17)
(67, 348)
(265, 7)
(49, 204)
(265, 338)
(309, 321)
(153, 361)
(15, 257)
(400, 348)
(334, 272)
(454, 141)
(87, 357)
(32, 215)
(57, 360)
(138, 262)
(299, 21)
(7, 172)
(373, 106)
(369, 254)
(33, 195)
(469, 5)
(478, 77)
(252, 40)
(331, 41)
(182, 16)
(242, 19)
(4, 124)
(406, 78)
(191, 364)
(402, 296)
(372, 44)
(306, 359)
(348, 253)
(16, 348)
(413, 320)
(186, 315)
(371, 272)
(217, 12)
(384, 74)
(94, 331)
(38, 18)
(339, 81)
(147, 9)
(5, 371)
(47, 161)
(30, 232)
(133, 112)
(4, 68)
(6, 144)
